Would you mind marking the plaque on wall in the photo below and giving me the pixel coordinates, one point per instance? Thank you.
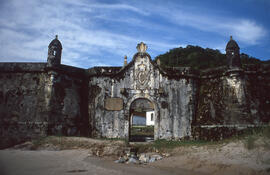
(114, 104)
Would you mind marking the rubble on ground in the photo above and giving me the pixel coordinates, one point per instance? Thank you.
(143, 158)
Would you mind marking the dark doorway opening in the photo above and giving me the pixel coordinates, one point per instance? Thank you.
(142, 121)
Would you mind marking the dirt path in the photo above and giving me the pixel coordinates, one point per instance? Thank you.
(77, 156)
(14, 162)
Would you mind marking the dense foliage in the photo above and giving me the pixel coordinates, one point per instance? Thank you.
(199, 58)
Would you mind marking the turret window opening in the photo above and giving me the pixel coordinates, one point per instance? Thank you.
(54, 52)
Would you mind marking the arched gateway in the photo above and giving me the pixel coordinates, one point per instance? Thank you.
(141, 106)
(113, 92)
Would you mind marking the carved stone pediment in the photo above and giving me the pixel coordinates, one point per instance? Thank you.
(142, 73)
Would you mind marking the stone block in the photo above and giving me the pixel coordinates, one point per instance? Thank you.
(114, 104)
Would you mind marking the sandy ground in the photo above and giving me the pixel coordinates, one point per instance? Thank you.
(228, 158)
(18, 162)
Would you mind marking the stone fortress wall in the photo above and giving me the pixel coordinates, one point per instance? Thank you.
(40, 99)
(37, 101)
(232, 100)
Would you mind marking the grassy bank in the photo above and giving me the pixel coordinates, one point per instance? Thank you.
(142, 130)
(252, 139)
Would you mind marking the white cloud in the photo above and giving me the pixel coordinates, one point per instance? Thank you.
(244, 30)
(117, 7)
(247, 31)
(27, 28)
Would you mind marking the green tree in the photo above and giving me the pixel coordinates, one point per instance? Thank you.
(199, 58)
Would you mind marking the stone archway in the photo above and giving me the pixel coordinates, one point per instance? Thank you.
(155, 109)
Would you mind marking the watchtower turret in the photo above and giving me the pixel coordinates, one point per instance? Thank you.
(233, 54)
(54, 53)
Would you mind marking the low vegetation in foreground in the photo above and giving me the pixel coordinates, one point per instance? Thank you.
(245, 154)
(251, 140)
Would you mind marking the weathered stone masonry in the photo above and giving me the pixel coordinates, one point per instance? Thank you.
(40, 99)
(173, 98)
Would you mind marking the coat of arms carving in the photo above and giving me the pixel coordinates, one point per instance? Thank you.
(142, 76)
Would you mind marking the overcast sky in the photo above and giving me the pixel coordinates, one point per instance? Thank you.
(101, 33)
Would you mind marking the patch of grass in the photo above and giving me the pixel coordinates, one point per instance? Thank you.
(250, 142)
(38, 142)
(166, 145)
(266, 132)
(125, 141)
(252, 135)
(267, 162)
(142, 130)
(63, 142)
(111, 139)
(172, 144)
(262, 131)
(59, 141)
(249, 138)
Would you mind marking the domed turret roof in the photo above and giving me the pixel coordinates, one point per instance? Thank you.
(232, 44)
(56, 43)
